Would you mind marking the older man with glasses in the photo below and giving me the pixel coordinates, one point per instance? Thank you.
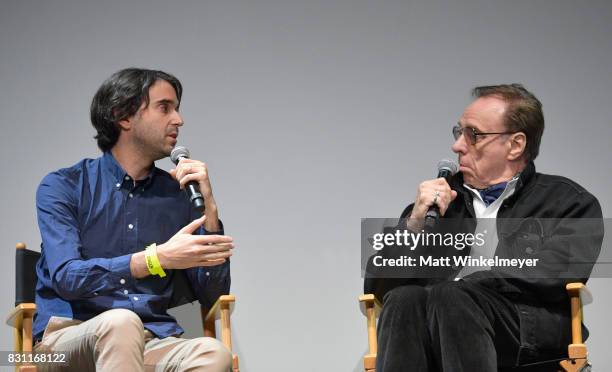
(482, 319)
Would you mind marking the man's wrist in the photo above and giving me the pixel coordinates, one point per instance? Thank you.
(152, 261)
(138, 266)
(163, 261)
(210, 204)
(212, 215)
(414, 224)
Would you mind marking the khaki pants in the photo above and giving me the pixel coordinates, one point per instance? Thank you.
(117, 341)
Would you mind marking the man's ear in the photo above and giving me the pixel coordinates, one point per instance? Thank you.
(518, 143)
(125, 124)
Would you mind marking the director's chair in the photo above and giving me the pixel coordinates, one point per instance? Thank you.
(25, 284)
(576, 351)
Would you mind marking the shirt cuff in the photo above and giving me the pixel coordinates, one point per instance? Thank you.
(221, 230)
(120, 267)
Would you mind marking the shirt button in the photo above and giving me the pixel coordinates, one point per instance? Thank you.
(122, 281)
(127, 178)
(125, 291)
(131, 195)
(207, 273)
(135, 298)
(95, 293)
(130, 226)
(118, 185)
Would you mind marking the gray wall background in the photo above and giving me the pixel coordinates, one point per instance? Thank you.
(311, 115)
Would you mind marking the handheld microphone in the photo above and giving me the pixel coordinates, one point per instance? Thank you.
(446, 169)
(191, 188)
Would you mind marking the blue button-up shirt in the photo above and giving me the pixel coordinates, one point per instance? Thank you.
(92, 218)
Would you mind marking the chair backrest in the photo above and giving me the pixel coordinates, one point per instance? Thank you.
(25, 274)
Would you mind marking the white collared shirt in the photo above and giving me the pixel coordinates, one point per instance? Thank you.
(486, 224)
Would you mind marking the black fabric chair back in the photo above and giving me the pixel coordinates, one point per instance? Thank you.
(25, 275)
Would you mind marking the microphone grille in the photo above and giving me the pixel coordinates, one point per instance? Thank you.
(179, 152)
(450, 165)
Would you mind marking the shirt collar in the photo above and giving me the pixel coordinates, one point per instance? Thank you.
(508, 190)
(111, 166)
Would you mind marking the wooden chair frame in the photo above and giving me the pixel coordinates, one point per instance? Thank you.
(576, 351)
(222, 309)
(20, 319)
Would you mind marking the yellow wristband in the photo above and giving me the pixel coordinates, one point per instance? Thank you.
(152, 261)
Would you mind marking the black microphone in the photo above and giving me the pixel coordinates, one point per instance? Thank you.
(191, 188)
(446, 169)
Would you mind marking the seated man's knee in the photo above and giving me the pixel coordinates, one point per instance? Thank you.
(120, 321)
(212, 353)
(405, 295)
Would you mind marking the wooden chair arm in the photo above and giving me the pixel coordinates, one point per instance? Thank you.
(369, 300)
(370, 308)
(21, 320)
(582, 290)
(28, 369)
(222, 309)
(21, 311)
(577, 350)
(578, 296)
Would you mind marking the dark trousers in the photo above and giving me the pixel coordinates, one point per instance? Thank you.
(452, 326)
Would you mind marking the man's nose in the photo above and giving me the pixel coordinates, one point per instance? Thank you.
(177, 119)
(460, 145)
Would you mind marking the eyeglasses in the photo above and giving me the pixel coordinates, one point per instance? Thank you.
(471, 135)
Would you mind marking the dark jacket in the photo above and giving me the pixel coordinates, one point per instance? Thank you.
(543, 219)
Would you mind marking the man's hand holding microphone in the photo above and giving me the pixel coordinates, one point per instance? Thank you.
(433, 198)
